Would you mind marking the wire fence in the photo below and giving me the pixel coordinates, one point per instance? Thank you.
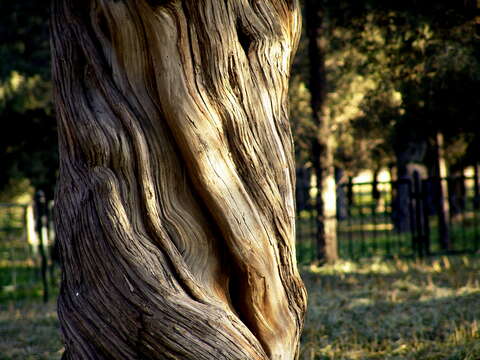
(409, 217)
(26, 240)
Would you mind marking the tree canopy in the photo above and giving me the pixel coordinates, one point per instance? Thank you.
(28, 140)
(396, 74)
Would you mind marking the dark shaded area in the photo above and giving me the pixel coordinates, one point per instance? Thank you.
(24, 34)
(28, 140)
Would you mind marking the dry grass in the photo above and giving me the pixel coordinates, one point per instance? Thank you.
(29, 331)
(394, 310)
(370, 310)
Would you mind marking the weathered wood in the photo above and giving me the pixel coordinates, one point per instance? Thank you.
(174, 206)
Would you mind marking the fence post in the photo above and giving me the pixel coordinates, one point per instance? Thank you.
(41, 227)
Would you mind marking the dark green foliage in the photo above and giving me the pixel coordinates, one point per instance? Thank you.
(415, 68)
(24, 34)
(426, 52)
(28, 146)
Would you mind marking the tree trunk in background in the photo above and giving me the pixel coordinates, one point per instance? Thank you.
(375, 190)
(457, 192)
(407, 153)
(341, 193)
(322, 147)
(175, 207)
(302, 189)
(474, 7)
(443, 208)
(476, 186)
(401, 201)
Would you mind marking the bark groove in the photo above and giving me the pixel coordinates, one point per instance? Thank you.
(174, 205)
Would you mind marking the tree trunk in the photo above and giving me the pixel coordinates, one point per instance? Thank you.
(174, 206)
(443, 207)
(375, 190)
(401, 209)
(341, 193)
(476, 186)
(322, 147)
(457, 192)
(407, 153)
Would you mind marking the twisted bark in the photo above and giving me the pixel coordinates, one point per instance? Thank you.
(174, 206)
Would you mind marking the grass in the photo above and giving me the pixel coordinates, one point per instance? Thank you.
(29, 331)
(20, 276)
(373, 309)
(394, 310)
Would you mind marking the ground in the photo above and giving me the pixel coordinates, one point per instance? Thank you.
(375, 309)
(29, 331)
(394, 310)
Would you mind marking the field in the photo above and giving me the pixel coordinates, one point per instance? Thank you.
(395, 309)
(29, 331)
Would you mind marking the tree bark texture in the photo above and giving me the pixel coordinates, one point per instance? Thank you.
(322, 146)
(175, 206)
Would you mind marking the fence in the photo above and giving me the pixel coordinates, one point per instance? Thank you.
(26, 236)
(409, 217)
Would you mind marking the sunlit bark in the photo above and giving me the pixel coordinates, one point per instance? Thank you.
(174, 206)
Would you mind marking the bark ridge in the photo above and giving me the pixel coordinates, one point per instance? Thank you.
(174, 205)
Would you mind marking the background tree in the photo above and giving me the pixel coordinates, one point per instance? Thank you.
(322, 143)
(385, 68)
(175, 197)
